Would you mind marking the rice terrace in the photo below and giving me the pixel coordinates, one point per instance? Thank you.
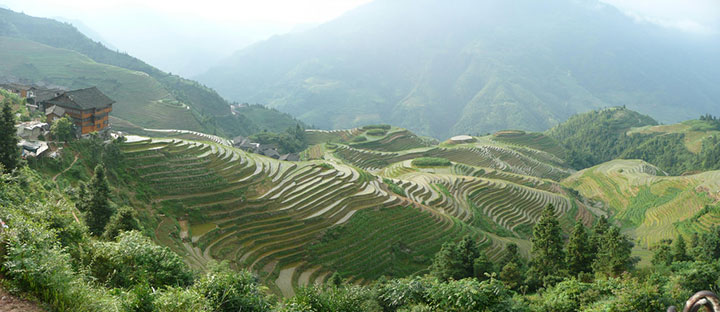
(360, 156)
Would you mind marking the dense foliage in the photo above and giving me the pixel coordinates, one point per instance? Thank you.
(291, 141)
(431, 162)
(601, 136)
(62, 129)
(9, 152)
(598, 136)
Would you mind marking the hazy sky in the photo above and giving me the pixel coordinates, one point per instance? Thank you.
(698, 16)
(187, 37)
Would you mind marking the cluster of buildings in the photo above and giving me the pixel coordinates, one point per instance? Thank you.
(88, 109)
(263, 149)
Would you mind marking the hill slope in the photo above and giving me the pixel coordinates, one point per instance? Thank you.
(473, 67)
(44, 51)
(604, 135)
(651, 206)
(295, 223)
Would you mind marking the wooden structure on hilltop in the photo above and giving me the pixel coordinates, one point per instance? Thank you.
(89, 109)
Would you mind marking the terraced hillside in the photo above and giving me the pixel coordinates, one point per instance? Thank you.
(296, 223)
(694, 131)
(216, 202)
(380, 138)
(482, 155)
(534, 140)
(651, 205)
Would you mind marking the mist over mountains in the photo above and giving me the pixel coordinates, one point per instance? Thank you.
(473, 67)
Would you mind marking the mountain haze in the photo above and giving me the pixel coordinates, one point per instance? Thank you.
(474, 67)
(47, 52)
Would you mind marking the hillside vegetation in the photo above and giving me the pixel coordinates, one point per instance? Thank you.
(653, 207)
(599, 136)
(47, 52)
(505, 65)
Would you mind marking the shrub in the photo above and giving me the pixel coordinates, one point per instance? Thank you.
(228, 290)
(468, 295)
(177, 299)
(36, 264)
(394, 187)
(333, 299)
(431, 162)
(134, 258)
(376, 132)
(401, 292)
(359, 139)
(382, 127)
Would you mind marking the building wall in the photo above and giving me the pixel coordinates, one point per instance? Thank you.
(89, 120)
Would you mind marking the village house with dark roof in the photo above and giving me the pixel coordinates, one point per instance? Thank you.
(89, 109)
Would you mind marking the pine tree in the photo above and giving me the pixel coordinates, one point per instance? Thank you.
(457, 261)
(598, 232)
(680, 250)
(99, 210)
(694, 250)
(512, 275)
(336, 279)
(579, 256)
(547, 254)
(662, 253)
(9, 152)
(614, 255)
(467, 251)
(710, 245)
(511, 255)
(482, 266)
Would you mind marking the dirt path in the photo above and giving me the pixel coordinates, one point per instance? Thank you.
(10, 303)
(68, 168)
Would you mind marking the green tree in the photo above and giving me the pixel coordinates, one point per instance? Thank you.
(614, 256)
(579, 251)
(511, 255)
(482, 266)
(124, 219)
(62, 129)
(511, 274)
(547, 257)
(456, 261)
(598, 231)
(9, 152)
(662, 253)
(98, 207)
(679, 252)
(336, 279)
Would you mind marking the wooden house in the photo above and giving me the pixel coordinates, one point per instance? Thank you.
(89, 109)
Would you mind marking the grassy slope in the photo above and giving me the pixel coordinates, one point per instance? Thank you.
(172, 100)
(139, 97)
(650, 206)
(695, 132)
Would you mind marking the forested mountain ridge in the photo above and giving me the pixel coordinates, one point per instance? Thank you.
(48, 52)
(481, 66)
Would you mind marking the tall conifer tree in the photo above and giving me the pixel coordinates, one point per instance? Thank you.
(98, 207)
(9, 152)
(579, 255)
(547, 254)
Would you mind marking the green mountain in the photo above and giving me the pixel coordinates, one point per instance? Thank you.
(600, 136)
(474, 67)
(44, 51)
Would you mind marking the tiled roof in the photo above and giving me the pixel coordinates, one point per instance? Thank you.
(82, 99)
